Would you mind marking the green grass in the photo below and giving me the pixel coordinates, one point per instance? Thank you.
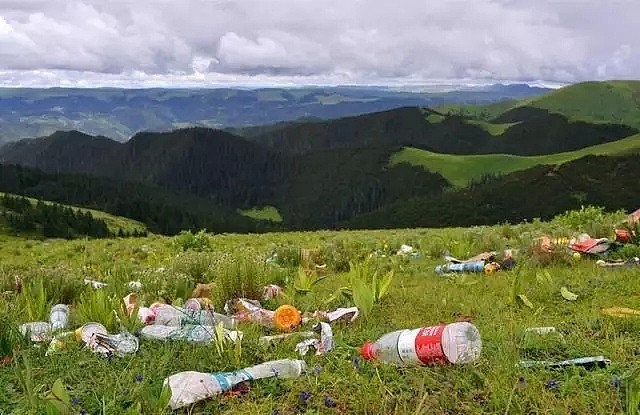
(264, 213)
(459, 170)
(610, 101)
(492, 128)
(114, 223)
(417, 297)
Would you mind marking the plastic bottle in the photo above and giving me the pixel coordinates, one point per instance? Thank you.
(477, 266)
(453, 343)
(59, 317)
(177, 317)
(190, 387)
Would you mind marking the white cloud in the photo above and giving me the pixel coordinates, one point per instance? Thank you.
(295, 41)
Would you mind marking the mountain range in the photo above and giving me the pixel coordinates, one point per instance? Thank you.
(121, 113)
(443, 165)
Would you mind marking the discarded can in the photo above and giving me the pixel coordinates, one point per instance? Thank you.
(88, 331)
(39, 331)
(59, 316)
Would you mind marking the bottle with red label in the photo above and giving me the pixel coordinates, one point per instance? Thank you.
(445, 343)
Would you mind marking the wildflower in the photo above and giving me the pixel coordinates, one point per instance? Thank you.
(317, 370)
(139, 378)
(552, 384)
(75, 400)
(329, 402)
(616, 382)
(304, 396)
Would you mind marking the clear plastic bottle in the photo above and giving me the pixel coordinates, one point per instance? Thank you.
(178, 317)
(190, 387)
(454, 343)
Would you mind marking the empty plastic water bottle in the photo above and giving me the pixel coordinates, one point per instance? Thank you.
(178, 317)
(476, 266)
(452, 343)
(190, 387)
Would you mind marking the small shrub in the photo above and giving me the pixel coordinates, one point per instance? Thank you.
(195, 265)
(239, 277)
(592, 220)
(186, 241)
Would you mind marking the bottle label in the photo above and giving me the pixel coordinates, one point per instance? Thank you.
(422, 345)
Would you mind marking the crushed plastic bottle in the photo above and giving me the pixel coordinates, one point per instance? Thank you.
(456, 343)
(189, 333)
(190, 387)
(178, 317)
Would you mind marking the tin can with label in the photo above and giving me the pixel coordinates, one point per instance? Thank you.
(86, 333)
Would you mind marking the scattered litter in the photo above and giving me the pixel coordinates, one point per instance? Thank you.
(59, 317)
(408, 251)
(190, 387)
(134, 285)
(485, 256)
(541, 330)
(271, 291)
(323, 345)
(169, 315)
(287, 317)
(350, 314)
(96, 338)
(586, 362)
(635, 261)
(189, 333)
(454, 343)
(568, 295)
(39, 331)
(280, 337)
(95, 284)
(620, 312)
(476, 266)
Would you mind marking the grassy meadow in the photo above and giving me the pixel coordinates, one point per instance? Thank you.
(460, 170)
(338, 382)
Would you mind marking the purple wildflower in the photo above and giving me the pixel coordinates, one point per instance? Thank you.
(551, 384)
(317, 370)
(139, 378)
(616, 382)
(75, 400)
(329, 402)
(304, 396)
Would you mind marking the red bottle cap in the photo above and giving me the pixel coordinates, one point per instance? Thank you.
(367, 351)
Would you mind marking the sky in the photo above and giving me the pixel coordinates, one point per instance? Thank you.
(134, 43)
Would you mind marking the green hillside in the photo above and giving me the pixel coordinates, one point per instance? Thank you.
(31, 217)
(459, 170)
(114, 222)
(611, 101)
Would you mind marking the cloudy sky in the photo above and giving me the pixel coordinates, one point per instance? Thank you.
(262, 42)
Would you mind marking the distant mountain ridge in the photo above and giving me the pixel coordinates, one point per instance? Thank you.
(324, 174)
(121, 113)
